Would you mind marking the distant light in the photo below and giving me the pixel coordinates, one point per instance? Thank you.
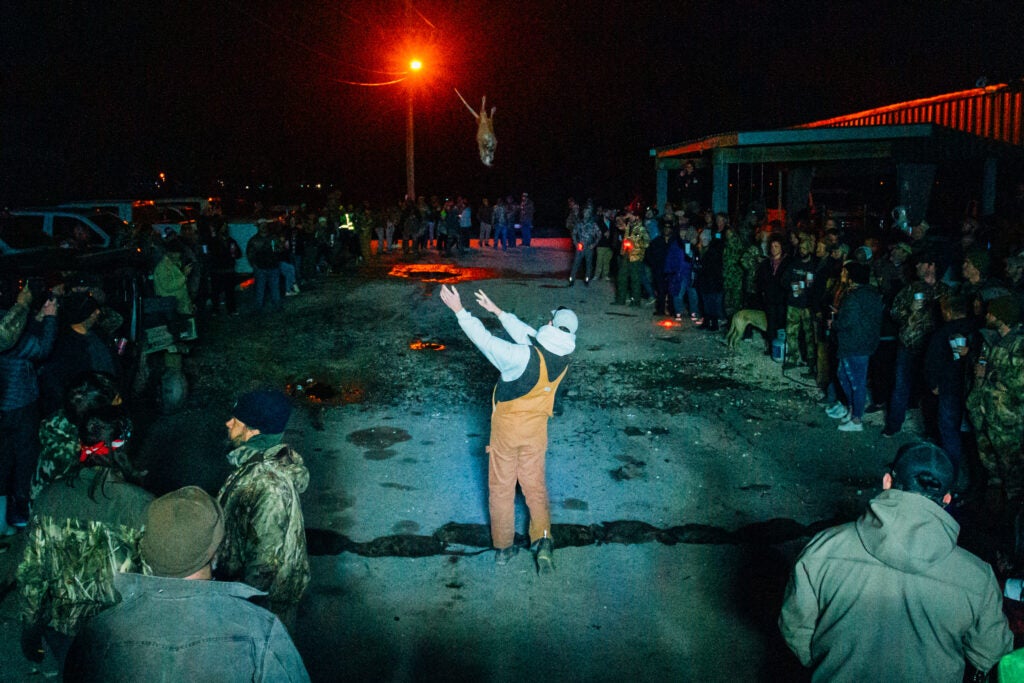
(415, 65)
(163, 177)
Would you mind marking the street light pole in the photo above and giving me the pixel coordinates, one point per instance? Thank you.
(410, 164)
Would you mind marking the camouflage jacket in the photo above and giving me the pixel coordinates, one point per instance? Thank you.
(12, 324)
(58, 450)
(76, 544)
(633, 230)
(1005, 369)
(916, 322)
(265, 537)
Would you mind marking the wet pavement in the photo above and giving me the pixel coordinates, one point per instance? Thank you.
(683, 479)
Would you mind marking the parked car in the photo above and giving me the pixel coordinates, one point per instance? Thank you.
(34, 229)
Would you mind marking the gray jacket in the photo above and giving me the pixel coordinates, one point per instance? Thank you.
(181, 630)
(892, 597)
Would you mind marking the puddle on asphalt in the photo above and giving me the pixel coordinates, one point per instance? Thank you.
(378, 438)
(454, 538)
(441, 273)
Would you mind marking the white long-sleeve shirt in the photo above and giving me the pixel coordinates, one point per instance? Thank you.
(510, 358)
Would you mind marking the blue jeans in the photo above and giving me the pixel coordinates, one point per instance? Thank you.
(268, 281)
(501, 236)
(288, 273)
(526, 227)
(902, 387)
(853, 378)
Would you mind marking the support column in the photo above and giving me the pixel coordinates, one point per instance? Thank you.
(719, 182)
(661, 187)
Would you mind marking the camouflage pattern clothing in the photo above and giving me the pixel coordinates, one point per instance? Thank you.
(633, 230)
(264, 534)
(59, 450)
(996, 407)
(634, 247)
(750, 262)
(83, 531)
(732, 271)
(917, 320)
(12, 324)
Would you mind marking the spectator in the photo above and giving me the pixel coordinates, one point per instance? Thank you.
(85, 527)
(945, 358)
(891, 596)
(486, 218)
(773, 289)
(799, 276)
(657, 260)
(857, 326)
(501, 224)
(265, 543)
(19, 415)
(223, 253)
(13, 320)
(605, 223)
(631, 262)
(78, 350)
(262, 254)
(711, 283)
(178, 624)
(585, 236)
(996, 403)
(59, 443)
(526, 210)
(977, 286)
(171, 276)
(732, 261)
(916, 312)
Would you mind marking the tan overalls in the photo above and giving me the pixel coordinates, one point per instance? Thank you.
(519, 441)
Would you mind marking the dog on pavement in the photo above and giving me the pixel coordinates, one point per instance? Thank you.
(740, 320)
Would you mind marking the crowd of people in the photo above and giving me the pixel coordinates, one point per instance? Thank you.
(104, 559)
(915, 318)
(907, 318)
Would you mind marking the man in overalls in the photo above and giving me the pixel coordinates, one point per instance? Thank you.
(522, 402)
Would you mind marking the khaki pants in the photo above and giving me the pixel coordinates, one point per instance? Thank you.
(519, 442)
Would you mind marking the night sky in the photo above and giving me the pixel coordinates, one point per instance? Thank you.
(98, 98)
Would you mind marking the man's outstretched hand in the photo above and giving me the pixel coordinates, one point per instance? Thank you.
(486, 303)
(450, 297)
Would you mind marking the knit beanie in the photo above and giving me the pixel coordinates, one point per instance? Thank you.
(267, 410)
(184, 528)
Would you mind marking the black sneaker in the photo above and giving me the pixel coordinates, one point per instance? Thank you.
(545, 560)
(889, 432)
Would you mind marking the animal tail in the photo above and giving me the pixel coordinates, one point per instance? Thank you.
(471, 110)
